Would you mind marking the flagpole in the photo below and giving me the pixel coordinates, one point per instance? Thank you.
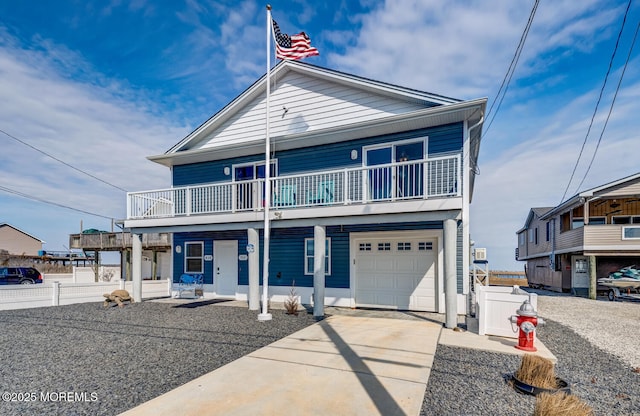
(265, 315)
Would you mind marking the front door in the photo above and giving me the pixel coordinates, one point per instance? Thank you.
(225, 273)
(580, 275)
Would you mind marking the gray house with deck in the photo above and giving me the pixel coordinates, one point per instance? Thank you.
(595, 232)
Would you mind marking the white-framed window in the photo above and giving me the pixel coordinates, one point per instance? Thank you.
(521, 238)
(194, 257)
(253, 170)
(309, 253)
(533, 235)
(597, 220)
(548, 231)
(631, 233)
(577, 223)
(582, 266)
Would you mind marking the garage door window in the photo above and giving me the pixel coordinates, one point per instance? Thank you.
(308, 256)
(384, 246)
(425, 245)
(404, 246)
(365, 247)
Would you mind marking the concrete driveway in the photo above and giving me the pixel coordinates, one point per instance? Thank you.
(342, 365)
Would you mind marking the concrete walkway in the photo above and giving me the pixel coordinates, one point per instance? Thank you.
(364, 364)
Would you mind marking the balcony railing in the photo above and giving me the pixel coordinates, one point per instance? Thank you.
(435, 177)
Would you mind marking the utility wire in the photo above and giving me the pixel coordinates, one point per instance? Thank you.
(61, 161)
(595, 110)
(613, 101)
(33, 198)
(512, 67)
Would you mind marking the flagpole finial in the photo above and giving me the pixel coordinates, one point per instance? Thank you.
(268, 7)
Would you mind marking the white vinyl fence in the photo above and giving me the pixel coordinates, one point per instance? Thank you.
(62, 293)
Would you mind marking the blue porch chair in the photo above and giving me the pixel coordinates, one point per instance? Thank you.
(286, 196)
(192, 285)
(323, 195)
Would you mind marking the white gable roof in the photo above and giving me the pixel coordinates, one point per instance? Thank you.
(311, 101)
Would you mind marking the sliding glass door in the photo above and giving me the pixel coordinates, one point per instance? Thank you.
(396, 176)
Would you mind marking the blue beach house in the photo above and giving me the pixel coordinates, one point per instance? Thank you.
(383, 174)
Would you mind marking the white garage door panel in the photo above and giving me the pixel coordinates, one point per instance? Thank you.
(402, 277)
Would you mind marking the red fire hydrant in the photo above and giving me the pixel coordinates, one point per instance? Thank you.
(526, 320)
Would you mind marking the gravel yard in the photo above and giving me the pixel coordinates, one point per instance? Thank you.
(88, 360)
(113, 359)
(597, 347)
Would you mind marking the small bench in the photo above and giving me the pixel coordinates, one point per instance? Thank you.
(190, 286)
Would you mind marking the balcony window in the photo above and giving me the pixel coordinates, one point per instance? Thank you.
(631, 233)
(597, 220)
(625, 219)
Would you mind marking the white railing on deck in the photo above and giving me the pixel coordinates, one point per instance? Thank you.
(435, 177)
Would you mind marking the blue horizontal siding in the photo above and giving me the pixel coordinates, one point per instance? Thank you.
(286, 252)
(442, 139)
(208, 237)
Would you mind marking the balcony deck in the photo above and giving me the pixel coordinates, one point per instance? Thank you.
(117, 241)
(396, 182)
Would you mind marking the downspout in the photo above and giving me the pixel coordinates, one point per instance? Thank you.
(465, 181)
(552, 262)
(476, 125)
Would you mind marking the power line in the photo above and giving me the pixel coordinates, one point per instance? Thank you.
(613, 101)
(595, 110)
(61, 161)
(33, 198)
(512, 67)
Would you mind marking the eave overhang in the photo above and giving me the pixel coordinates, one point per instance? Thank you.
(470, 111)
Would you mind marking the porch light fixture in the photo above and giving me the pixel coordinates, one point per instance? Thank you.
(227, 170)
(354, 154)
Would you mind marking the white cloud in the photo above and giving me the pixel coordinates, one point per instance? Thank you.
(97, 127)
(461, 49)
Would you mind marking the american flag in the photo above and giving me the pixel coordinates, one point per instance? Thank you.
(294, 46)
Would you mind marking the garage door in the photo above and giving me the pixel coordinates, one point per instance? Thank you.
(397, 273)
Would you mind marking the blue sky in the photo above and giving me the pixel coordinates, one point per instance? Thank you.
(102, 85)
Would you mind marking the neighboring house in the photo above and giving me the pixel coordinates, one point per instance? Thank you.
(156, 251)
(600, 226)
(17, 242)
(382, 174)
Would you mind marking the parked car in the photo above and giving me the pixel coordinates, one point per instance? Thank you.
(19, 275)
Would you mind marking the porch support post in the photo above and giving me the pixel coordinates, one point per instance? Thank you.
(593, 280)
(450, 274)
(136, 267)
(319, 253)
(254, 269)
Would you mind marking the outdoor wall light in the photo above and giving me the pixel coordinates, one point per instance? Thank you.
(227, 170)
(354, 154)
